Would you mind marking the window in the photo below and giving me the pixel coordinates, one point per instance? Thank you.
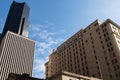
(99, 73)
(81, 59)
(87, 73)
(101, 42)
(107, 63)
(99, 33)
(117, 66)
(114, 61)
(98, 68)
(96, 30)
(106, 40)
(94, 51)
(92, 42)
(90, 33)
(108, 45)
(86, 67)
(103, 47)
(86, 41)
(104, 35)
(93, 75)
(96, 24)
(111, 49)
(116, 74)
(104, 24)
(111, 76)
(113, 54)
(105, 58)
(95, 57)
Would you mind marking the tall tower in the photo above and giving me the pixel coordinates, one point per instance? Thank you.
(17, 19)
(16, 50)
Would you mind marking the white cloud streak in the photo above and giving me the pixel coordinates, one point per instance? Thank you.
(39, 67)
(45, 42)
(1, 25)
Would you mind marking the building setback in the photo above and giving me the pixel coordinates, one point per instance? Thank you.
(93, 52)
(16, 50)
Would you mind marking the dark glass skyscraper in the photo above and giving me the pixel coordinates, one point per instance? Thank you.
(17, 19)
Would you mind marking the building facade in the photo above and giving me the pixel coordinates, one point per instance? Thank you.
(93, 52)
(16, 49)
(16, 55)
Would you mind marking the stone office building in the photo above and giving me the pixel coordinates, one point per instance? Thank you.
(93, 52)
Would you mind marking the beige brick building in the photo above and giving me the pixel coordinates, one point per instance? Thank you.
(93, 52)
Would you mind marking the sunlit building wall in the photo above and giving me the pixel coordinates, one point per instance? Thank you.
(93, 52)
(16, 55)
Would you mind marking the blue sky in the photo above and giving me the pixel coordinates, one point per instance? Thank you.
(54, 21)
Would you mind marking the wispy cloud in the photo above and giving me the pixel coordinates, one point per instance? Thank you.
(39, 67)
(46, 41)
(1, 25)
